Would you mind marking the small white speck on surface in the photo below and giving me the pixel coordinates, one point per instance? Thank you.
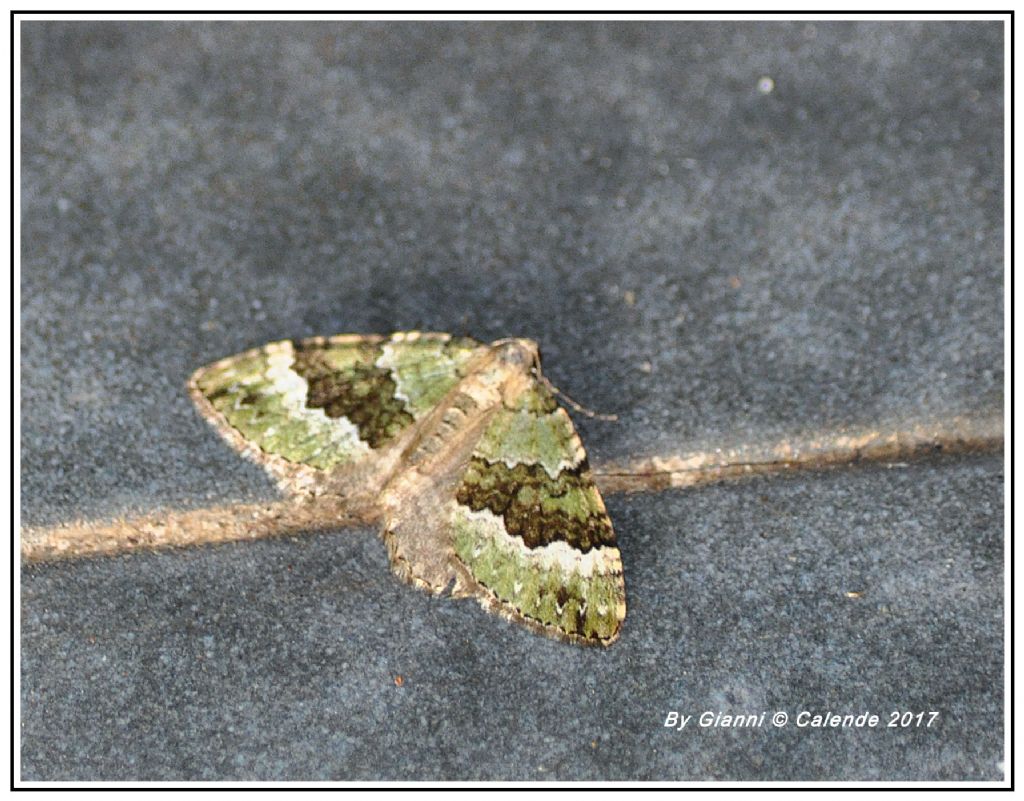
(514, 157)
(765, 85)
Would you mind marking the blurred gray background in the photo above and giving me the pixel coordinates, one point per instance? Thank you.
(723, 232)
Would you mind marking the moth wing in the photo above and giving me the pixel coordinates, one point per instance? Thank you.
(329, 414)
(523, 529)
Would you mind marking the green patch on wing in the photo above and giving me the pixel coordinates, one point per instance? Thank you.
(540, 589)
(424, 370)
(537, 432)
(265, 401)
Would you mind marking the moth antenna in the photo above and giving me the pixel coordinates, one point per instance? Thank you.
(579, 407)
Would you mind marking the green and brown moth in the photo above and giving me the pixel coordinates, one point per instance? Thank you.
(461, 451)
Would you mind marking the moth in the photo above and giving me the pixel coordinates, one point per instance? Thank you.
(459, 449)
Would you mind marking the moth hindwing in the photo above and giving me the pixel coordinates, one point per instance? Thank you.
(477, 474)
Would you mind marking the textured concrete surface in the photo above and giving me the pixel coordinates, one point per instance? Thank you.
(827, 253)
(713, 262)
(278, 660)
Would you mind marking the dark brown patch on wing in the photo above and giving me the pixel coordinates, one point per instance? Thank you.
(499, 488)
(364, 393)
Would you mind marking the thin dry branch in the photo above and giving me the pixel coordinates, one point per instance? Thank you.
(238, 522)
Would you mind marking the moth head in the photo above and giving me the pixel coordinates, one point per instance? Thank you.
(520, 353)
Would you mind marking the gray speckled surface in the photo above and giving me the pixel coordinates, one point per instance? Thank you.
(277, 660)
(192, 190)
(829, 253)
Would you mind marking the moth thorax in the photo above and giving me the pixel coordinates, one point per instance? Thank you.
(518, 353)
